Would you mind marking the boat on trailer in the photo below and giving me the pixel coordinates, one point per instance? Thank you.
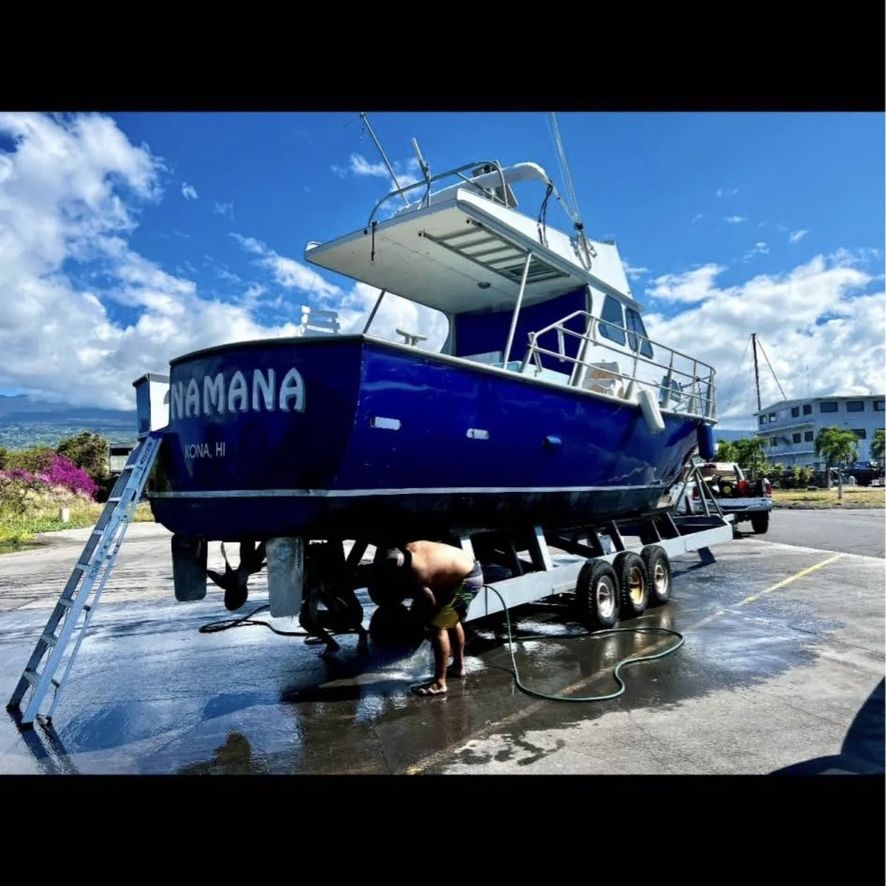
(549, 423)
(547, 404)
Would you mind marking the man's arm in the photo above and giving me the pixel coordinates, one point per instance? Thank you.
(428, 594)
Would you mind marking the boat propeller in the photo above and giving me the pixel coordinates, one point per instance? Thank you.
(234, 581)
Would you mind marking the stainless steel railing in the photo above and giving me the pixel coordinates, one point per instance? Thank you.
(686, 385)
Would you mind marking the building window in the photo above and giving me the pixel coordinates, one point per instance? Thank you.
(855, 405)
(879, 405)
(798, 438)
(612, 322)
(795, 412)
(808, 437)
(771, 416)
(762, 419)
(860, 433)
(828, 407)
(807, 409)
(773, 441)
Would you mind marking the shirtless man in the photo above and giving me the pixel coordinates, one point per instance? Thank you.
(448, 579)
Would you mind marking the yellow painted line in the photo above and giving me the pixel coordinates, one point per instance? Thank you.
(787, 581)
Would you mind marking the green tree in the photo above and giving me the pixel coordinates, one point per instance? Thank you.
(35, 459)
(749, 454)
(88, 451)
(725, 451)
(878, 445)
(4, 455)
(838, 446)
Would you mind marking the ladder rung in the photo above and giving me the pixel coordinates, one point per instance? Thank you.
(56, 683)
(49, 639)
(32, 677)
(115, 498)
(67, 602)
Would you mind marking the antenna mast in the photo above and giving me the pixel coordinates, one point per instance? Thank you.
(573, 211)
(384, 157)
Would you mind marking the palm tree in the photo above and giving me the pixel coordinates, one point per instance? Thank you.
(878, 445)
(838, 447)
(725, 451)
(749, 454)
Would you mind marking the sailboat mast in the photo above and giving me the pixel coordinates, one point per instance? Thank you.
(756, 370)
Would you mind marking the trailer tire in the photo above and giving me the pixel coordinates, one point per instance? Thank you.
(633, 583)
(394, 627)
(658, 568)
(760, 522)
(597, 594)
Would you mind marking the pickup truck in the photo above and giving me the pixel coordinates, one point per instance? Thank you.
(735, 494)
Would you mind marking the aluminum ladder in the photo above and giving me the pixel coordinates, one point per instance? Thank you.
(83, 589)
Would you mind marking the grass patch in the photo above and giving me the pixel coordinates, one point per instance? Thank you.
(853, 497)
(41, 514)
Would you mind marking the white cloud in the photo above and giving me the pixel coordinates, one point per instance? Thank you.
(691, 286)
(760, 248)
(797, 236)
(69, 192)
(407, 171)
(226, 209)
(632, 272)
(697, 217)
(189, 192)
(726, 192)
(816, 315)
(287, 271)
(735, 219)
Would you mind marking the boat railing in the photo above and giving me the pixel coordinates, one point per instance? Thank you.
(458, 172)
(686, 384)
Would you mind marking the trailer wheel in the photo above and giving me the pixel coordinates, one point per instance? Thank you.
(760, 522)
(658, 568)
(633, 583)
(393, 626)
(596, 594)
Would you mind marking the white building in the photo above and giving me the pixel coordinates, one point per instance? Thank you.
(789, 427)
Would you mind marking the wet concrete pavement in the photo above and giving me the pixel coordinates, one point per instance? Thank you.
(776, 665)
(853, 531)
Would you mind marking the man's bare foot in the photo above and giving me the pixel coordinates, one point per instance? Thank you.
(453, 671)
(430, 689)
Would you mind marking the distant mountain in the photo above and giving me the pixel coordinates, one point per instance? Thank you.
(26, 422)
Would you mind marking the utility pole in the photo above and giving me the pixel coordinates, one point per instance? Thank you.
(756, 371)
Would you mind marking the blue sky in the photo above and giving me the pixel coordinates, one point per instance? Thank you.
(127, 239)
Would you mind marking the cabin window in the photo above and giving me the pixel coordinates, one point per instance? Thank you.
(807, 409)
(860, 433)
(795, 412)
(762, 419)
(612, 322)
(796, 438)
(879, 405)
(828, 407)
(855, 405)
(808, 436)
(635, 325)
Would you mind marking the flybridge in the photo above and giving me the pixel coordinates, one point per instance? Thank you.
(230, 392)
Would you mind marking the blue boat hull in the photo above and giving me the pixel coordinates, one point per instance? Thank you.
(351, 437)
